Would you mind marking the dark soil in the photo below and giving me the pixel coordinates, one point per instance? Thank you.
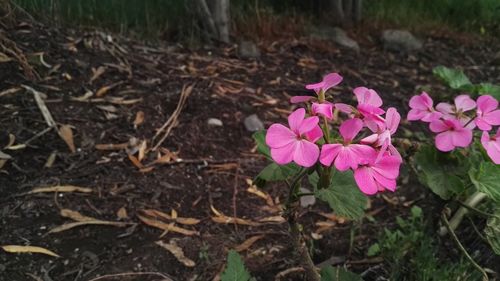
(217, 161)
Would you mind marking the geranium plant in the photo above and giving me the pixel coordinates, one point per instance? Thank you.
(345, 151)
(462, 164)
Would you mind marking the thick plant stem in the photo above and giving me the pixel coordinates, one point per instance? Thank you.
(292, 208)
(457, 218)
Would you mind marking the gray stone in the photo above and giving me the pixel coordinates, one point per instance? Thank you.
(337, 35)
(253, 123)
(400, 40)
(307, 200)
(215, 122)
(248, 49)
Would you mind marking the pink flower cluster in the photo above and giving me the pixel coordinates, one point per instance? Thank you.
(454, 124)
(374, 160)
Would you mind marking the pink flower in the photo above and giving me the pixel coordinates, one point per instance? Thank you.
(329, 81)
(492, 146)
(451, 134)
(378, 175)
(422, 109)
(383, 139)
(369, 103)
(325, 109)
(487, 113)
(347, 155)
(463, 103)
(296, 143)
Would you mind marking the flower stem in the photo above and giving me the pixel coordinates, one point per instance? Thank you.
(291, 214)
(472, 201)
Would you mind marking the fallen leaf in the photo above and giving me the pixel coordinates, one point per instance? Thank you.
(4, 58)
(102, 91)
(12, 140)
(221, 218)
(66, 134)
(36, 278)
(248, 243)
(85, 96)
(74, 215)
(50, 160)
(61, 188)
(96, 73)
(4, 155)
(139, 119)
(71, 225)
(2, 162)
(142, 150)
(273, 219)
(177, 252)
(122, 213)
(16, 147)
(167, 227)
(181, 220)
(9, 91)
(28, 249)
(135, 161)
(108, 108)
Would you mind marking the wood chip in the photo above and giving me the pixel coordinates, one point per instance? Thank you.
(177, 252)
(122, 213)
(139, 119)
(61, 188)
(112, 146)
(28, 249)
(221, 218)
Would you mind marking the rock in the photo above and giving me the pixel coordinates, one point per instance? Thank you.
(214, 122)
(307, 200)
(253, 123)
(337, 35)
(400, 40)
(248, 49)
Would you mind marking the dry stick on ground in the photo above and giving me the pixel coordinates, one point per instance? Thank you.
(133, 274)
(235, 193)
(41, 105)
(9, 47)
(172, 120)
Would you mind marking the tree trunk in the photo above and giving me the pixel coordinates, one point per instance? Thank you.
(221, 18)
(358, 10)
(338, 11)
(206, 18)
(347, 5)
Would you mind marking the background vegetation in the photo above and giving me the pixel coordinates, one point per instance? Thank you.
(173, 19)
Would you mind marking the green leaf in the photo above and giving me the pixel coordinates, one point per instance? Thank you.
(455, 78)
(374, 250)
(275, 172)
(416, 212)
(486, 178)
(489, 89)
(492, 231)
(439, 171)
(330, 273)
(260, 139)
(235, 269)
(342, 195)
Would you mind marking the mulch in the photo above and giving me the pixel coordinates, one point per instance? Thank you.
(114, 93)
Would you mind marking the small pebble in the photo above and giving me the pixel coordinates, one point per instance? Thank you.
(214, 122)
(253, 123)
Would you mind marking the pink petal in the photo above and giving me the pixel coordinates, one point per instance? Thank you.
(324, 109)
(415, 114)
(344, 107)
(392, 119)
(295, 119)
(366, 154)
(388, 166)
(284, 154)
(370, 139)
(395, 152)
(461, 138)
(368, 109)
(316, 86)
(314, 135)
(350, 128)
(299, 99)
(329, 152)
(464, 103)
(485, 138)
(497, 136)
(492, 117)
(365, 180)
(438, 126)
(385, 182)
(367, 96)
(278, 135)
(482, 124)
(486, 103)
(444, 142)
(308, 124)
(346, 159)
(306, 153)
(445, 108)
(422, 102)
(331, 80)
(492, 147)
(432, 116)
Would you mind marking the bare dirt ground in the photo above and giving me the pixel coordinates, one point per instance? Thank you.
(114, 94)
